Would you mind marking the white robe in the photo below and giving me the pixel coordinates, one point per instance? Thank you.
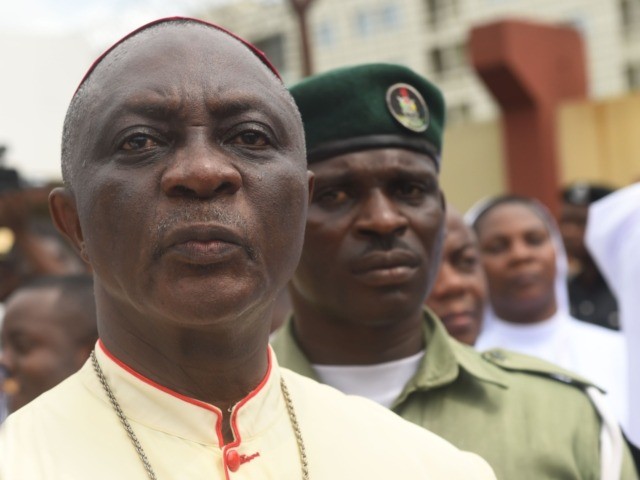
(596, 353)
(613, 237)
(72, 433)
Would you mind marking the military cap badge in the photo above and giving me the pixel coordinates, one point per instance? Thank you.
(408, 107)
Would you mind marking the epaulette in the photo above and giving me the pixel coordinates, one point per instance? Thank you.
(518, 362)
(611, 442)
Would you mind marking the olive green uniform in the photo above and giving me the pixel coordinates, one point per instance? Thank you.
(529, 419)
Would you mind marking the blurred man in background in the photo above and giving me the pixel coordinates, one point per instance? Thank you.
(589, 295)
(47, 334)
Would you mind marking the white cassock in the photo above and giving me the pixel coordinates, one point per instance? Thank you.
(613, 238)
(72, 432)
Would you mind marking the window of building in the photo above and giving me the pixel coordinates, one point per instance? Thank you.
(390, 16)
(273, 48)
(458, 113)
(326, 34)
(364, 23)
(378, 20)
(436, 57)
(632, 71)
(630, 16)
(447, 59)
(439, 11)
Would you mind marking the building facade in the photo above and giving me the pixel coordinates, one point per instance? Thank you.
(430, 36)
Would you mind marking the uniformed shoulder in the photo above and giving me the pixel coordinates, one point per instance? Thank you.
(518, 362)
(362, 423)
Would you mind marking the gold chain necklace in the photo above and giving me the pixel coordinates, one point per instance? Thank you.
(142, 455)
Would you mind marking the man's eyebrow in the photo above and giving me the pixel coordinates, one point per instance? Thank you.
(238, 105)
(151, 107)
(340, 177)
(160, 108)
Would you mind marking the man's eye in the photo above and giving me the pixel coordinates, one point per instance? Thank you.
(331, 197)
(412, 190)
(138, 142)
(251, 138)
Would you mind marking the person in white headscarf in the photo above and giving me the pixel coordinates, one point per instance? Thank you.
(613, 237)
(528, 311)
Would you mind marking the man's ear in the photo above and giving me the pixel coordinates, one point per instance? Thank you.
(311, 179)
(62, 205)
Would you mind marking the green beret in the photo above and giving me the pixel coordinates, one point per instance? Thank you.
(370, 106)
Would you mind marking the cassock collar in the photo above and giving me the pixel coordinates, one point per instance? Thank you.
(160, 408)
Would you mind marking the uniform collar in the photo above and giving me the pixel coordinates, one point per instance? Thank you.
(160, 408)
(445, 359)
(441, 365)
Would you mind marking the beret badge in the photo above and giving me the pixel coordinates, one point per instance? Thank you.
(408, 107)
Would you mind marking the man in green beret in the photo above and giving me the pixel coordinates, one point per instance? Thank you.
(371, 253)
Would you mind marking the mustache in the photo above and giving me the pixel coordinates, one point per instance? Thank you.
(385, 243)
(202, 213)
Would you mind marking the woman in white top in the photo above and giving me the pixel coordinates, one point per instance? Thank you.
(528, 309)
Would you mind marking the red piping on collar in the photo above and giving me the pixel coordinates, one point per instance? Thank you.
(256, 51)
(238, 406)
(196, 402)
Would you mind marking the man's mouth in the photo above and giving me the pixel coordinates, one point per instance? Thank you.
(386, 268)
(202, 244)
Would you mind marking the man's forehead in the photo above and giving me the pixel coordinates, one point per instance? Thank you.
(169, 52)
(157, 81)
(143, 33)
(376, 160)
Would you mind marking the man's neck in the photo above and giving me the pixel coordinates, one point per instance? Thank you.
(334, 340)
(219, 368)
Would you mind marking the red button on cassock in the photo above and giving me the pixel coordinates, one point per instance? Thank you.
(233, 460)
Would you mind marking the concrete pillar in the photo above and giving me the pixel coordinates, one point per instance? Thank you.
(530, 68)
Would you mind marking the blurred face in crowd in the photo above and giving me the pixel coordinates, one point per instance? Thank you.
(519, 260)
(39, 348)
(373, 236)
(190, 203)
(459, 293)
(573, 226)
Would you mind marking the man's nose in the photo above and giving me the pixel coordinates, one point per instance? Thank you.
(380, 216)
(201, 170)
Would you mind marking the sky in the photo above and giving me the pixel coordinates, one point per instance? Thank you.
(99, 19)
